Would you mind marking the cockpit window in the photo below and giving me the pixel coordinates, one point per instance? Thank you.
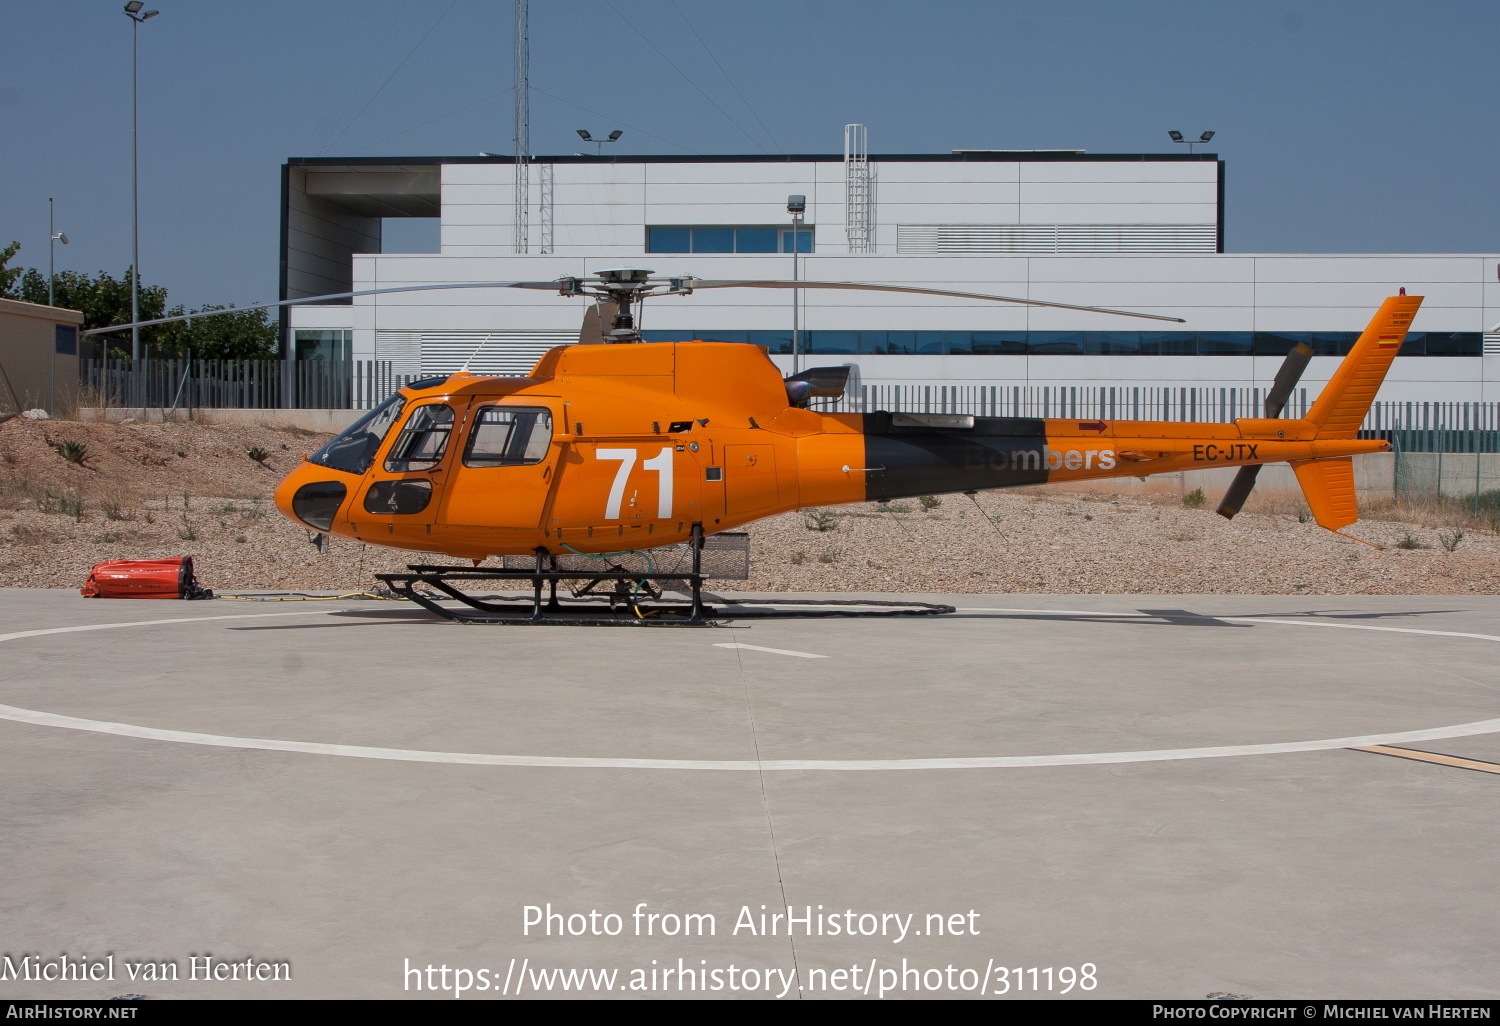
(509, 436)
(423, 440)
(354, 450)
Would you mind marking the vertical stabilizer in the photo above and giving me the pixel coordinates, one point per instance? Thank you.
(1342, 406)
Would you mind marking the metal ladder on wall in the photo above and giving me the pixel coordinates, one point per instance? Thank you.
(857, 189)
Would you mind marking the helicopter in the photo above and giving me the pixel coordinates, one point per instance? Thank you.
(615, 445)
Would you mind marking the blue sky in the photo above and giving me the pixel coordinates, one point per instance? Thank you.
(1346, 126)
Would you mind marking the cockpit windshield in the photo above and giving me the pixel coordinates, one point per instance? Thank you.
(354, 450)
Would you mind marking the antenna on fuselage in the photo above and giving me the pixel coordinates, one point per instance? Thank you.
(465, 368)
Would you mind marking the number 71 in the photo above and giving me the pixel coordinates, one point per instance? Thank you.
(661, 463)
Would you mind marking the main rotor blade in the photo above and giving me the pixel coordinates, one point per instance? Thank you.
(701, 284)
(1239, 491)
(1286, 379)
(551, 286)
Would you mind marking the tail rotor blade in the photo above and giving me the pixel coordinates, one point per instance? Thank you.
(1286, 379)
(1239, 491)
(1281, 390)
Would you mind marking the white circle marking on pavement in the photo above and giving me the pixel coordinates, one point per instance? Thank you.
(46, 719)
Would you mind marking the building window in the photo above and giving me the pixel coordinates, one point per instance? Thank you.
(1077, 343)
(322, 344)
(65, 339)
(728, 239)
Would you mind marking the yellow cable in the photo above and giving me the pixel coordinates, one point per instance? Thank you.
(308, 598)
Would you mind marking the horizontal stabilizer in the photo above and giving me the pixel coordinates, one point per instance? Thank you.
(1328, 486)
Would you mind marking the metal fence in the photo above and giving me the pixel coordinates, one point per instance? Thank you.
(1429, 427)
(1101, 402)
(361, 384)
(240, 384)
(1472, 477)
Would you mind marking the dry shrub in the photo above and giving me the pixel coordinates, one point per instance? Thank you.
(29, 534)
(16, 489)
(1459, 513)
(1283, 502)
(117, 502)
(89, 398)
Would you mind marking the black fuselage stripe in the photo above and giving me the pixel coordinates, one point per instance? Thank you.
(998, 452)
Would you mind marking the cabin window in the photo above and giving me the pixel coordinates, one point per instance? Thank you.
(509, 436)
(423, 440)
(402, 495)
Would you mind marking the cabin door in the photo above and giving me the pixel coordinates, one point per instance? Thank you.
(504, 467)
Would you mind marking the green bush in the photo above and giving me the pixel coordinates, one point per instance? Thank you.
(820, 520)
(1194, 499)
(74, 452)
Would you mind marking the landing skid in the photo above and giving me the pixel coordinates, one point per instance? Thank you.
(613, 598)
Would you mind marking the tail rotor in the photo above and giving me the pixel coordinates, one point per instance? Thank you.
(1276, 399)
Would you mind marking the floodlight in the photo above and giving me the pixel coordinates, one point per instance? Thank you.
(134, 6)
(149, 14)
(61, 237)
(584, 135)
(1176, 136)
(1206, 137)
(617, 133)
(796, 204)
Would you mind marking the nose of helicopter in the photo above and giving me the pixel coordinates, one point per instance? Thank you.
(311, 496)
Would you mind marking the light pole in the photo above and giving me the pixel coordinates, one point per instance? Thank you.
(598, 143)
(136, 16)
(1190, 143)
(53, 238)
(796, 206)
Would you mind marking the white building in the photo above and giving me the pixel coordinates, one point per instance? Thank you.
(1140, 232)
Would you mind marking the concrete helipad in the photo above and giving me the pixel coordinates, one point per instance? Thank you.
(1160, 796)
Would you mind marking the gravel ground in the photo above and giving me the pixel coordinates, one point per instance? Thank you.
(148, 491)
(1050, 541)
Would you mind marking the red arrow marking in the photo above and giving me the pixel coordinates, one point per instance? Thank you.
(1091, 425)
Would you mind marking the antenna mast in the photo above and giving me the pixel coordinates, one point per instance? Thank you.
(523, 128)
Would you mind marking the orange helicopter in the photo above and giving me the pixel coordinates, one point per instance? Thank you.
(614, 445)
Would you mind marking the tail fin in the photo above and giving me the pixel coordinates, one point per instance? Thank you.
(1328, 486)
(1343, 403)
